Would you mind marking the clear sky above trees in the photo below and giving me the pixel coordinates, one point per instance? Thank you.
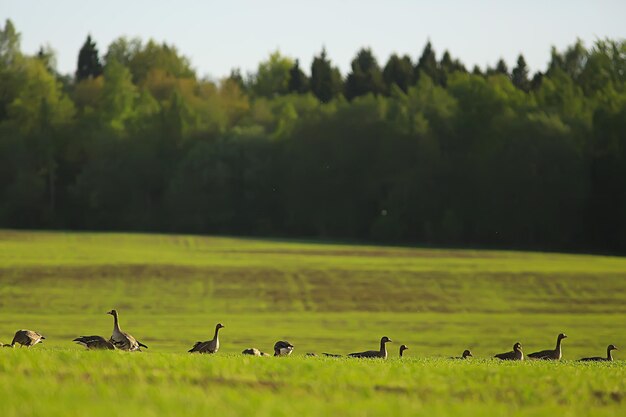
(218, 35)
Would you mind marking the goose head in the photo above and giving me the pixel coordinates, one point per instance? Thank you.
(219, 326)
(385, 339)
(467, 353)
(612, 347)
(517, 346)
(113, 313)
(403, 348)
(562, 336)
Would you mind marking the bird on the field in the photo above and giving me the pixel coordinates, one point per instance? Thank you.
(27, 338)
(466, 354)
(331, 355)
(609, 356)
(254, 352)
(402, 349)
(515, 355)
(381, 353)
(210, 346)
(550, 354)
(123, 340)
(94, 342)
(282, 348)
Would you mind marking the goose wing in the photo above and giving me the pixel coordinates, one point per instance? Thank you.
(505, 356)
(200, 347)
(593, 359)
(94, 342)
(544, 354)
(366, 354)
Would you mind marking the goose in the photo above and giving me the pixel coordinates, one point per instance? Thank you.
(210, 346)
(609, 357)
(402, 349)
(382, 353)
(515, 355)
(550, 354)
(282, 348)
(254, 352)
(94, 342)
(123, 340)
(466, 354)
(331, 355)
(27, 338)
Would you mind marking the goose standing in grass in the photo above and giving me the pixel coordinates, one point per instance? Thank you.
(515, 355)
(550, 354)
(123, 340)
(254, 352)
(609, 356)
(382, 353)
(282, 348)
(27, 338)
(210, 346)
(466, 354)
(94, 342)
(402, 349)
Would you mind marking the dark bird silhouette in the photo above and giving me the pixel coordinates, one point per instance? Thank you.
(550, 354)
(609, 356)
(382, 353)
(94, 342)
(466, 354)
(402, 349)
(515, 355)
(210, 346)
(27, 338)
(282, 348)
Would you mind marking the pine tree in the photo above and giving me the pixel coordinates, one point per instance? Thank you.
(501, 68)
(298, 81)
(519, 76)
(89, 64)
(398, 71)
(326, 82)
(365, 77)
(427, 64)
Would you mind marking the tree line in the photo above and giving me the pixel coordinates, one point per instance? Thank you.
(418, 150)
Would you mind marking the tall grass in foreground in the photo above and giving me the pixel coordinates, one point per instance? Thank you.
(75, 383)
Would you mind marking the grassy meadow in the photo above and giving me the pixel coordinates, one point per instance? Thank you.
(170, 290)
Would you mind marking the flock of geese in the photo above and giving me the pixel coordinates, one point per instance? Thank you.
(124, 341)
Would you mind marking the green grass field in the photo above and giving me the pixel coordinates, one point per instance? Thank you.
(171, 290)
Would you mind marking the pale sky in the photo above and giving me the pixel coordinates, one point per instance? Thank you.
(220, 35)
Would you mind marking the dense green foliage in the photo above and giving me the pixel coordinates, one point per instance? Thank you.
(171, 290)
(411, 151)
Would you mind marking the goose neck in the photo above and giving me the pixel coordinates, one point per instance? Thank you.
(116, 322)
(217, 329)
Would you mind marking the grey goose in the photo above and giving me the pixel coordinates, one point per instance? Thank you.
(282, 348)
(515, 355)
(123, 340)
(94, 342)
(254, 352)
(550, 354)
(609, 356)
(466, 354)
(27, 338)
(402, 349)
(210, 346)
(381, 353)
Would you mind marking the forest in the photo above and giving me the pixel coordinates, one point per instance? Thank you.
(418, 150)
